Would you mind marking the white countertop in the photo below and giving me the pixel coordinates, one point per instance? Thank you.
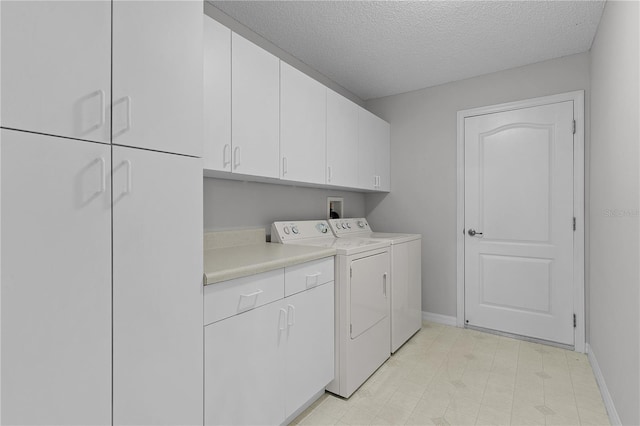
(236, 261)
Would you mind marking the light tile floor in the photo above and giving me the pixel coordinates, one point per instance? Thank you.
(451, 376)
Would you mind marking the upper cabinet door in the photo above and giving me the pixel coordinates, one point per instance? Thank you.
(56, 67)
(255, 110)
(342, 141)
(383, 155)
(303, 121)
(367, 178)
(217, 96)
(157, 75)
(373, 152)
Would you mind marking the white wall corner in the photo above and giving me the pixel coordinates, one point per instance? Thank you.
(604, 391)
(439, 319)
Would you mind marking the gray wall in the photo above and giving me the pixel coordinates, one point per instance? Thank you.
(615, 255)
(423, 159)
(232, 204)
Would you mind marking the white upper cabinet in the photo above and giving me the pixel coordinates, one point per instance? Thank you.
(342, 141)
(303, 120)
(157, 76)
(373, 152)
(217, 96)
(56, 68)
(255, 109)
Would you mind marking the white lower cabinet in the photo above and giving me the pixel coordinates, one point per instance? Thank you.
(263, 365)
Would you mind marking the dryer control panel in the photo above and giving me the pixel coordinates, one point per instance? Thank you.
(352, 226)
(282, 232)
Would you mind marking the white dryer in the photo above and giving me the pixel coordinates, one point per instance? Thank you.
(405, 278)
(362, 309)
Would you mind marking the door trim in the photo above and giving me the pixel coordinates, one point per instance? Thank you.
(578, 202)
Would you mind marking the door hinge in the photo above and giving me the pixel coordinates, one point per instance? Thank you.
(350, 328)
(574, 223)
(574, 321)
(350, 272)
(574, 127)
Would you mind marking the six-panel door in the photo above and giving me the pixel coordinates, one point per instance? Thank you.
(56, 280)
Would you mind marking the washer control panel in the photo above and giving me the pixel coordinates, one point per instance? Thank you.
(300, 230)
(351, 226)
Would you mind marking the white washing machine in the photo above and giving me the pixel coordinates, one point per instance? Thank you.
(362, 309)
(405, 278)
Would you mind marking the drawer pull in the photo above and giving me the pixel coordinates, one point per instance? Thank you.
(255, 293)
(249, 304)
(314, 279)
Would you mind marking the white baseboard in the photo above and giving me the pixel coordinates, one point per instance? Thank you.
(606, 396)
(438, 318)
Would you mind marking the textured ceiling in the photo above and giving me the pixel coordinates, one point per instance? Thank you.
(380, 48)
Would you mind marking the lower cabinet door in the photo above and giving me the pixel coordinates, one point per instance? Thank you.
(157, 288)
(244, 367)
(56, 281)
(309, 357)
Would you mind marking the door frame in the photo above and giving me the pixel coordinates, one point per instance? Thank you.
(578, 202)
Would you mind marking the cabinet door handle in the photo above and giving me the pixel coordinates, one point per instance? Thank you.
(127, 188)
(315, 279)
(103, 175)
(282, 320)
(328, 173)
(384, 284)
(226, 155)
(236, 157)
(291, 315)
(284, 166)
(103, 117)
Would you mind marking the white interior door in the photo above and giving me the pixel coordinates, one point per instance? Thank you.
(519, 203)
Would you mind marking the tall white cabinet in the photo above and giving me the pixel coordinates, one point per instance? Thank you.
(101, 243)
(56, 280)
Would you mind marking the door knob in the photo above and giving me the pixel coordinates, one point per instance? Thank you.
(473, 233)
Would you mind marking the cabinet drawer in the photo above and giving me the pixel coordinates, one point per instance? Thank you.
(307, 275)
(235, 296)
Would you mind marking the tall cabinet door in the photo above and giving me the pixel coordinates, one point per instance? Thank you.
(342, 140)
(367, 146)
(157, 288)
(303, 126)
(56, 63)
(157, 75)
(255, 109)
(217, 95)
(56, 280)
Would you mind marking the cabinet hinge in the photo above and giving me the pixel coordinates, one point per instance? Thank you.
(350, 272)
(574, 223)
(574, 127)
(574, 321)
(350, 328)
